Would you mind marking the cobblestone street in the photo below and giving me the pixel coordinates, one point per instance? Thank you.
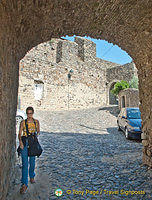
(84, 152)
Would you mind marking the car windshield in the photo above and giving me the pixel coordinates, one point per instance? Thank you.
(134, 114)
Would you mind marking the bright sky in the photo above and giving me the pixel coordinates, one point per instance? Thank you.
(108, 51)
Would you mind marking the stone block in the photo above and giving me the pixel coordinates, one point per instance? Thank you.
(144, 136)
(149, 153)
(145, 142)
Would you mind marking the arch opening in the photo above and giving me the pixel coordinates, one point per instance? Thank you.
(49, 66)
(113, 100)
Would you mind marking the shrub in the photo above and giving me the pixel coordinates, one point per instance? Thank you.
(119, 86)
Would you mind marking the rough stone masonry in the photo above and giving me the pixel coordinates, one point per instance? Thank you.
(25, 24)
(44, 83)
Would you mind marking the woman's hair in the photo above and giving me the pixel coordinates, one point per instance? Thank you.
(29, 108)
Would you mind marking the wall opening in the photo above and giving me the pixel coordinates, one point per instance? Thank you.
(123, 101)
(50, 62)
(113, 100)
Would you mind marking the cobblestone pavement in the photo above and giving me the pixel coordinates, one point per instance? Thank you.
(87, 157)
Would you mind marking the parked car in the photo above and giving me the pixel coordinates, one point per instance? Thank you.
(20, 115)
(129, 121)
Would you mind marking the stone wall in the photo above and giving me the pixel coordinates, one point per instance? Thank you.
(118, 73)
(145, 96)
(122, 22)
(131, 98)
(51, 62)
(9, 85)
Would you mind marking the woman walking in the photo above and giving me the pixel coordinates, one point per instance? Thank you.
(33, 126)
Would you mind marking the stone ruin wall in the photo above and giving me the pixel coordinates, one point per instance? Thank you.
(131, 96)
(117, 73)
(121, 72)
(50, 63)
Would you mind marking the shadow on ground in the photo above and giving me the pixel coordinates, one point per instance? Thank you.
(114, 110)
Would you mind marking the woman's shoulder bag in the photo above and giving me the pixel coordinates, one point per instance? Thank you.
(34, 147)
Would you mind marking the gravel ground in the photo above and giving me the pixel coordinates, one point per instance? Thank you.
(87, 157)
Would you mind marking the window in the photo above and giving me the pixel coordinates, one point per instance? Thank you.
(38, 89)
(134, 114)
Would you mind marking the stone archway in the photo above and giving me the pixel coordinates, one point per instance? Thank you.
(112, 98)
(24, 24)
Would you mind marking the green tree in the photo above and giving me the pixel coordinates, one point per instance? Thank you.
(133, 83)
(119, 86)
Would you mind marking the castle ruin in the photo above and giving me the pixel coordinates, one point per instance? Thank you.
(44, 82)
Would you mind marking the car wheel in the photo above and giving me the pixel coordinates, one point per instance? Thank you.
(119, 129)
(126, 133)
(18, 119)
